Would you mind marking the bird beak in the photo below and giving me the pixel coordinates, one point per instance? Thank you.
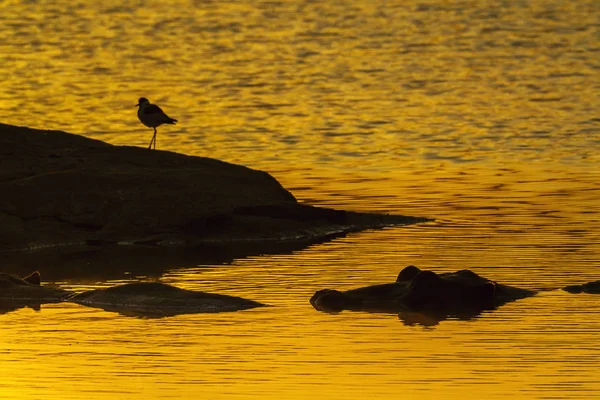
(137, 105)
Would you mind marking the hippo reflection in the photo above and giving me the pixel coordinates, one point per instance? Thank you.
(150, 299)
(426, 298)
(590, 287)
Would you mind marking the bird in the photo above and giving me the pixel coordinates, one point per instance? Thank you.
(152, 116)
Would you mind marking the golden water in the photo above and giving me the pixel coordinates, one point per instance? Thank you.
(481, 114)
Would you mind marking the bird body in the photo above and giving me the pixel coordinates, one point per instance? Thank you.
(152, 116)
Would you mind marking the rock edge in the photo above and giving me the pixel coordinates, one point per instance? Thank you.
(60, 189)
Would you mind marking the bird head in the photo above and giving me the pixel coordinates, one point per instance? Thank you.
(142, 100)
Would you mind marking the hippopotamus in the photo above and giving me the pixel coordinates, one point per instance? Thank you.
(434, 297)
(590, 287)
(17, 293)
(151, 299)
(159, 299)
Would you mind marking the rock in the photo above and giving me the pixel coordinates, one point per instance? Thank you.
(60, 189)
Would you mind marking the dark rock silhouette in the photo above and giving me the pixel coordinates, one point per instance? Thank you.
(141, 299)
(426, 298)
(60, 189)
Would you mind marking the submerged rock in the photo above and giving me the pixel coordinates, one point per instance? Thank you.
(59, 189)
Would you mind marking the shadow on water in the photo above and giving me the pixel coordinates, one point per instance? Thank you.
(79, 264)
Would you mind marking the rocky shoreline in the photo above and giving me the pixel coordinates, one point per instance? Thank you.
(60, 190)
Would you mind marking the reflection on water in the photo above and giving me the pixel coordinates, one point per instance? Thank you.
(483, 115)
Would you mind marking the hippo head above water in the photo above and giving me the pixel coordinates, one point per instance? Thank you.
(140, 299)
(28, 288)
(462, 294)
(451, 293)
(17, 293)
(9, 281)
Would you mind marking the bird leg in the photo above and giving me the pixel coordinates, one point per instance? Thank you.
(153, 141)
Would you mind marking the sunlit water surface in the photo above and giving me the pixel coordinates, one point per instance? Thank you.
(481, 114)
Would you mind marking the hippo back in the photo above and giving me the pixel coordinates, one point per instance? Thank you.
(159, 299)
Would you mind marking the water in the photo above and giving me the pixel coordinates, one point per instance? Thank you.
(480, 114)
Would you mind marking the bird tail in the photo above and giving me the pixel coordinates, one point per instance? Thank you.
(171, 121)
